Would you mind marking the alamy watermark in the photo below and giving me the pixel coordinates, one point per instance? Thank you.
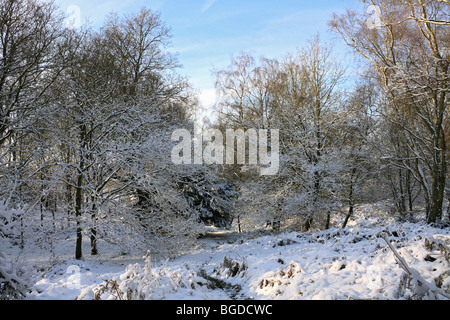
(74, 278)
(237, 146)
(73, 20)
(374, 20)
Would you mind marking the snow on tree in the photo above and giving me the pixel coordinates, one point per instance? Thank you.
(409, 54)
(15, 279)
(299, 95)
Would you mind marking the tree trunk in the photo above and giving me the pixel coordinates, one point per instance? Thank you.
(351, 204)
(69, 195)
(79, 196)
(437, 196)
(327, 224)
(402, 199)
(308, 223)
(78, 204)
(438, 177)
(409, 191)
(94, 250)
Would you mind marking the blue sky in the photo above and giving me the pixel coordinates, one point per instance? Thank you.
(206, 33)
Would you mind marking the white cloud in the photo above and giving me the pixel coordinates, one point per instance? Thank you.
(208, 4)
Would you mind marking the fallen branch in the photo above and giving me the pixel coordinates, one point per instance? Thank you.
(424, 285)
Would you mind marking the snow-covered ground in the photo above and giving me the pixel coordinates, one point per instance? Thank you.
(351, 263)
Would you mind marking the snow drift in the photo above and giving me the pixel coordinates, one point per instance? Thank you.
(337, 264)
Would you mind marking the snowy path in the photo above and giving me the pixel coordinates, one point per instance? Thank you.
(336, 264)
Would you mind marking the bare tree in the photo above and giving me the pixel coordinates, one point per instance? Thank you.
(411, 57)
(300, 95)
(29, 32)
(307, 105)
(234, 85)
(139, 42)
